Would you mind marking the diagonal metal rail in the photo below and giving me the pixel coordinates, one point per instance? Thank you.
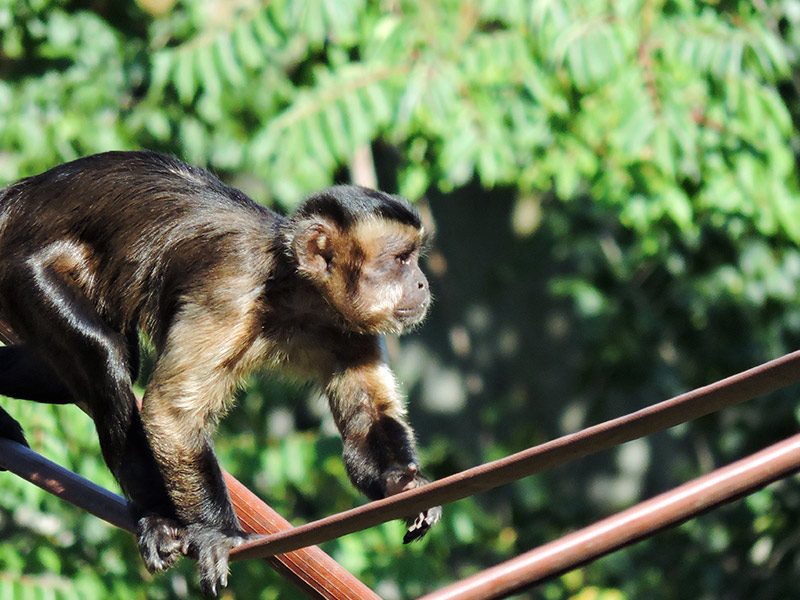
(770, 376)
(629, 526)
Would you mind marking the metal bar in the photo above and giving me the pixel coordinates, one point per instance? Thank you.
(768, 377)
(629, 526)
(65, 484)
(313, 571)
(310, 569)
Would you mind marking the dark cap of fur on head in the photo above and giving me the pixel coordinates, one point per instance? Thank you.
(349, 204)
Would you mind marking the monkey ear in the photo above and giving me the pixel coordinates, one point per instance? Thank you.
(313, 247)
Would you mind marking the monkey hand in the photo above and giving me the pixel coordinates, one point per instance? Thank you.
(210, 547)
(398, 479)
(161, 541)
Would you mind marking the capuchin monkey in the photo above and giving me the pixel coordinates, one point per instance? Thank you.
(98, 249)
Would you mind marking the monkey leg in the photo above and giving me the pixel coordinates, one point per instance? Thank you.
(26, 376)
(20, 378)
(379, 449)
(63, 331)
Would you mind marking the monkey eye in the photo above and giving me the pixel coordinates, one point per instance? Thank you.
(404, 258)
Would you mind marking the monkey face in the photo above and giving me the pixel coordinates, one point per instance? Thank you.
(393, 293)
(368, 272)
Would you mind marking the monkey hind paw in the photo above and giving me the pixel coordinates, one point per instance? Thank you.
(211, 547)
(162, 542)
(419, 526)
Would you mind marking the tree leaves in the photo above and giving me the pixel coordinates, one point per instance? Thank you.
(324, 126)
(571, 96)
(709, 43)
(216, 58)
(616, 100)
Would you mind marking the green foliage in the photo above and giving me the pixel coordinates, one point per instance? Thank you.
(625, 172)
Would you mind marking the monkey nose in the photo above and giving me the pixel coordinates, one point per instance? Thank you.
(420, 285)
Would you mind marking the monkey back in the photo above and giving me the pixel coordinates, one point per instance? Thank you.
(135, 230)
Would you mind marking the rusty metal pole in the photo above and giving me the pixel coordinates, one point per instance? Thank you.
(629, 526)
(65, 484)
(309, 568)
(768, 377)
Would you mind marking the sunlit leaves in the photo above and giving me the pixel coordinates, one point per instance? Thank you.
(217, 57)
(72, 107)
(570, 96)
(714, 45)
(324, 126)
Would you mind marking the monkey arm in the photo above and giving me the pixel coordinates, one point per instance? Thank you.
(370, 416)
(177, 434)
(187, 390)
(191, 387)
(185, 455)
(379, 448)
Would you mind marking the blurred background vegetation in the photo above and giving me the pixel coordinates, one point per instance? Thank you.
(614, 187)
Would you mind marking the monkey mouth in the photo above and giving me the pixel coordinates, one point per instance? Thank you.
(408, 316)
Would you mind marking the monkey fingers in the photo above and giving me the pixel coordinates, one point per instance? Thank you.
(161, 541)
(398, 480)
(211, 547)
(419, 526)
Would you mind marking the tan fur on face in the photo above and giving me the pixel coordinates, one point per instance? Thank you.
(378, 239)
(351, 268)
(373, 234)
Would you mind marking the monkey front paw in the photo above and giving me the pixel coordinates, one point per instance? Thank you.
(211, 547)
(396, 480)
(162, 541)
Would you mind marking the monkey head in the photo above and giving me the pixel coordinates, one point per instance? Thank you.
(360, 249)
